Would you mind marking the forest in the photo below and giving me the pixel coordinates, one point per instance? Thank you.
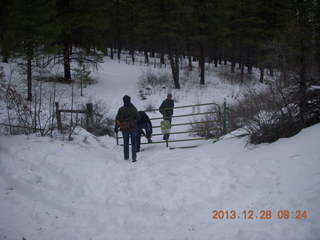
(243, 158)
(281, 37)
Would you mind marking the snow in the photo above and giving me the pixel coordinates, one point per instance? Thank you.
(51, 188)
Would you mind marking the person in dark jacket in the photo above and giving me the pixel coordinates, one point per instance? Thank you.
(167, 113)
(127, 119)
(144, 123)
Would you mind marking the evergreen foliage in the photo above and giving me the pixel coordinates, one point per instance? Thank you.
(280, 36)
(30, 27)
(238, 31)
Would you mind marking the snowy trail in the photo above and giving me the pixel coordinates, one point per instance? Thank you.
(84, 190)
(115, 82)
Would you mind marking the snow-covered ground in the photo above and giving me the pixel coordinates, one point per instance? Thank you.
(83, 189)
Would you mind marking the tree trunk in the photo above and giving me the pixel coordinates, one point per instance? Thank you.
(219, 59)
(132, 56)
(189, 57)
(29, 70)
(261, 75)
(303, 81)
(271, 72)
(66, 59)
(233, 61)
(248, 59)
(215, 56)
(242, 73)
(201, 42)
(215, 61)
(146, 57)
(4, 55)
(174, 62)
(202, 63)
(241, 64)
(233, 66)
(162, 58)
(284, 70)
(111, 53)
(119, 49)
(190, 63)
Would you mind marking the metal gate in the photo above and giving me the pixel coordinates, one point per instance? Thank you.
(211, 120)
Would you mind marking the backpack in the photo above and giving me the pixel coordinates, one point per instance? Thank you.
(127, 123)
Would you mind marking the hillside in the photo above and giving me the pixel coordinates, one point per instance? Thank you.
(51, 188)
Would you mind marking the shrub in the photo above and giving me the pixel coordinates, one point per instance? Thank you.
(208, 125)
(233, 78)
(150, 81)
(53, 78)
(103, 123)
(38, 116)
(273, 114)
(150, 106)
(17, 110)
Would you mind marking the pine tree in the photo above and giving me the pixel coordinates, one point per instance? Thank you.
(169, 25)
(274, 18)
(303, 10)
(316, 21)
(31, 26)
(83, 25)
(4, 30)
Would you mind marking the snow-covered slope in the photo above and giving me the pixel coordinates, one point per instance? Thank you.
(52, 189)
(83, 189)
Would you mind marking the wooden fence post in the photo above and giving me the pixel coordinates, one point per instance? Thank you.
(89, 116)
(58, 115)
(224, 127)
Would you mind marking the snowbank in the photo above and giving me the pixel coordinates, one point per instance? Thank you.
(53, 189)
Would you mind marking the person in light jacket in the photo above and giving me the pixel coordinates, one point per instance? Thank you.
(167, 113)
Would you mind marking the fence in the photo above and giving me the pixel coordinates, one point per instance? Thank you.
(219, 120)
(88, 111)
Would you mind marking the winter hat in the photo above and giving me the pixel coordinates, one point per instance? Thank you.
(126, 99)
(169, 95)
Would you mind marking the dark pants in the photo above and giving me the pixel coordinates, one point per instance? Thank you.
(133, 134)
(148, 129)
(166, 136)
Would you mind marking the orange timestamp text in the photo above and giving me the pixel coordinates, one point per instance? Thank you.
(263, 214)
